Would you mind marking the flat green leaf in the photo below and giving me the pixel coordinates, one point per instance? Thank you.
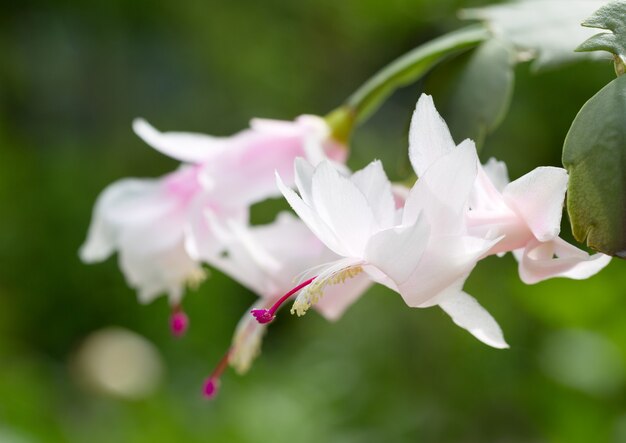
(475, 100)
(595, 156)
(611, 17)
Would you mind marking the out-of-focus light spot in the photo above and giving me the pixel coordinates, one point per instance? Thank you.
(119, 362)
(583, 360)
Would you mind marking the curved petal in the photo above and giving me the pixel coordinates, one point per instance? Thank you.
(343, 207)
(543, 260)
(445, 261)
(132, 212)
(538, 197)
(497, 172)
(304, 178)
(183, 146)
(311, 219)
(443, 191)
(375, 186)
(398, 251)
(429, 136)
(167, 271)
(467, 313)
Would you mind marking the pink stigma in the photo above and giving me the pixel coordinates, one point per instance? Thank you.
(212, 384)
(264, 316)
(179, 322)
(210, 388)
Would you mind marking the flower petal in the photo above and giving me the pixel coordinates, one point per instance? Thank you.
(445, 261)
(343, 207)
(135, 213)
(429, 136)
(184, 146)
(318, 226)
(538, 197)
(397, 251)
(497, 173)
(543, 260)
(443, 191)
(304, 178)
(467, 313)
(375, 186)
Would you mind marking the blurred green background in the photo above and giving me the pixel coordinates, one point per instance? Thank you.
(73, 76)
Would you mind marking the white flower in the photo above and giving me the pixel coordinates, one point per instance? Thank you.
(423, 252)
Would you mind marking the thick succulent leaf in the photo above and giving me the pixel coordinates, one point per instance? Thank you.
(595, 157)
(548, 29)
(611, 17)
(477, 97)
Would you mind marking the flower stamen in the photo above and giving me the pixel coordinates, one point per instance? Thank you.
(314, 293)
(264, 316)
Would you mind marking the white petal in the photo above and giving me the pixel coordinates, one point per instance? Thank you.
(131, 211)
(445, 261)
(343, 207)
(375, 186)
(467, 313)
(184, 146)
(497, 173)
(429, 136)
(167, 271)
(304, 177)
(443, 191)
(397, 251)
(312, 219)
(538, 197)
(557, 258)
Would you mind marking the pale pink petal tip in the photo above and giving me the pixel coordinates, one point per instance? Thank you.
(179, 322)
(262, 315)
(210, 388)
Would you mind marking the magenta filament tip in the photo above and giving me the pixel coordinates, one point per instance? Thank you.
(263, 316)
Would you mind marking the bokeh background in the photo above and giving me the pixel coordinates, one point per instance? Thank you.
(73, 75)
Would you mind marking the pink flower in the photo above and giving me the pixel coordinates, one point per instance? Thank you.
(159, 226)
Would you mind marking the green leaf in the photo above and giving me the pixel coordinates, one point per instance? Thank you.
(611, 17)
(595, 156)
(477, 97)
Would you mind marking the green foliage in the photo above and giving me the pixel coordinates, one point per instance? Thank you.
(611, 17)
(595, 156)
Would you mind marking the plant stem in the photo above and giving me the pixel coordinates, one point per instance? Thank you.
(403, 71)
